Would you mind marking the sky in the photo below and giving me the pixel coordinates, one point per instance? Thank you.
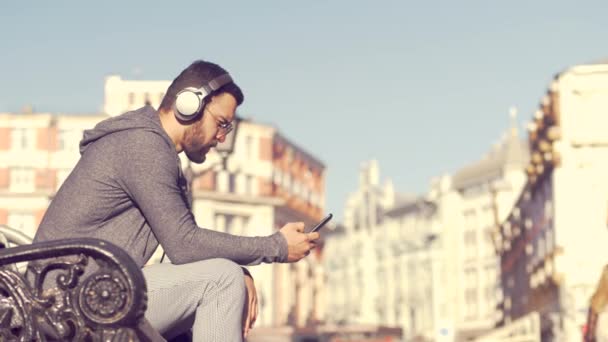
(423, 87)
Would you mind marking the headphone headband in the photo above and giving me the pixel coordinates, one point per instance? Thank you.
(219, 82)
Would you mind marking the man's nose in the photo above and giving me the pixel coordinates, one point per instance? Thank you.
(221, 138)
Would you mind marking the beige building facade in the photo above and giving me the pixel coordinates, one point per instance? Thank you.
(426, 264)
(552, 244)
(486, 192)
(37, 152)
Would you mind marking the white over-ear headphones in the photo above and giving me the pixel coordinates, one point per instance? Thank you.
(190, 102)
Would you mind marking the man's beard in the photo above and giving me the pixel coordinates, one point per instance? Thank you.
(197, 156)
(195, 151)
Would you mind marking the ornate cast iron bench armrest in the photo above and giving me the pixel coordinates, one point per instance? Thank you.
(73, 290)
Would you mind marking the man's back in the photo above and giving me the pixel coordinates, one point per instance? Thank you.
(94, 200)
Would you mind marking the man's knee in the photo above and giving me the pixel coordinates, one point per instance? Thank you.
(229, 274)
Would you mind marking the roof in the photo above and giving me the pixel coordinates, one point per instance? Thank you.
(510, 152)
(304, 153)
(416, 204)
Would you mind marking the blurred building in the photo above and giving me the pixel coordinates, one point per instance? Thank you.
(355, 294)
(486, 191)
(553, 243)
(409, 268)
(426, 264)
(365, 213)
(37, 152)
(124, 95)
(267, 181)
(362, 218)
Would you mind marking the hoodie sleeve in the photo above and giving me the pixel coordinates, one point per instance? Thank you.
(149, 172)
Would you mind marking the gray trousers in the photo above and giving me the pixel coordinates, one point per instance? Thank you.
(205, 296)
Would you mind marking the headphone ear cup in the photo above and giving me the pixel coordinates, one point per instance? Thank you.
(187, 105)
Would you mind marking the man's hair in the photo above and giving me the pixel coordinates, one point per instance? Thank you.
(198, 73)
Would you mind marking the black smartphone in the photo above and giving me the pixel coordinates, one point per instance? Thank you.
(322, 223)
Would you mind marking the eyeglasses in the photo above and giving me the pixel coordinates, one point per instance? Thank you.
(223, 126)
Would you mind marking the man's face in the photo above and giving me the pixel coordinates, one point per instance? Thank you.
(207, 131)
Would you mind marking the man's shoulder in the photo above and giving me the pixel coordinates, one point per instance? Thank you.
(138, 140)
(132, 146)
(144, 135)
(134, 153)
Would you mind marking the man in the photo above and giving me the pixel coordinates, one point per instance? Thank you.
(128, 188)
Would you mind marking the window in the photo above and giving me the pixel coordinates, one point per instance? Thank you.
(244, 224)
(314, 199)
(412, 319)
(220, 222)
(63, 140)
(549, 240)
(308, 175)
(489, 242)
(470, 218)
(306, 194)
(22, 138)
(472, 304)
(470, 241)
(540, 248)
(378, 214)
(491, 274)
(229, 223)
(511, 282)
(240, 183)
(222, 181)
(231, 182)
(471, 278)
(250, 185)
(131, 99)
(68, 140)
(490, 294)
(277, 177)
(548, 209)
(232, 223)
(289, 155)
(249, 147)
(287, 181)
(22, 179)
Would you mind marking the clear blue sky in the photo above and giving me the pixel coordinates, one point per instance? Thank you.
(424, 87)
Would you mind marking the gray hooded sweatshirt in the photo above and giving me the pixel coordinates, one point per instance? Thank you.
(128, 189)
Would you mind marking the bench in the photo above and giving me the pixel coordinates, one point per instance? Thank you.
(70, 290)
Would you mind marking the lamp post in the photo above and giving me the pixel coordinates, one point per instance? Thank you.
(224, 149)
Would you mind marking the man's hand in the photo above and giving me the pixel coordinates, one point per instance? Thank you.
(298, 242)
(250, 311)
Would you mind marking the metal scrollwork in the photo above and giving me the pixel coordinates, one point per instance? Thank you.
(70, 290)
(103, 297)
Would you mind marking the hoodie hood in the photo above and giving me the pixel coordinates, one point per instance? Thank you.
(145, 118)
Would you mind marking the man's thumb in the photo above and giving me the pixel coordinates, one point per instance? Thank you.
(299, 228)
